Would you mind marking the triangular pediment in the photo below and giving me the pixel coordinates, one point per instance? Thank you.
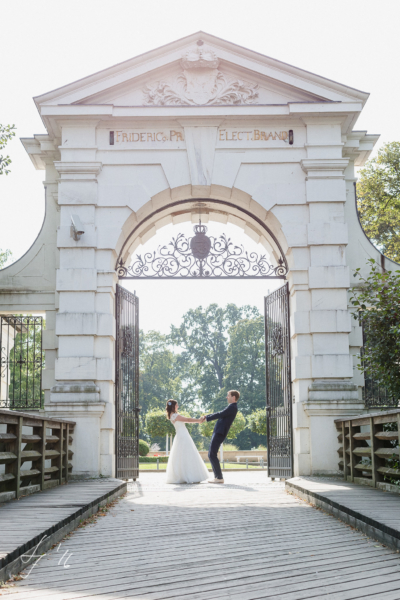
(201, 70)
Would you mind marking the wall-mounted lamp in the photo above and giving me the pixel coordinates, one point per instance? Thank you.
(291, 137)
(77, 228)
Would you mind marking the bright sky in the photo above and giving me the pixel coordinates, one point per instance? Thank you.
(48, 44)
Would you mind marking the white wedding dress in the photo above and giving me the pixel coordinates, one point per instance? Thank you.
(185, 464)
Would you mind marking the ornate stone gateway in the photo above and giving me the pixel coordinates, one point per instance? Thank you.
(127, 384)
(263, 145)
(279, 384)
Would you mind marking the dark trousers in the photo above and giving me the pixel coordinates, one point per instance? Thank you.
(216, 440)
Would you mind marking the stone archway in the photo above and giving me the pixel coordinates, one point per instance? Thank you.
(277, 368)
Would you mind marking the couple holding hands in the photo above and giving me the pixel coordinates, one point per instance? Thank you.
(185, 464)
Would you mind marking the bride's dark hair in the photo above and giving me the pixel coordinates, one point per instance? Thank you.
(170, 408)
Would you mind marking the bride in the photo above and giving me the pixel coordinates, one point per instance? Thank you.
(185, 464)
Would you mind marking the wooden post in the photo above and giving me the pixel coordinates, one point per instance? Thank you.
(345, 448)
(42, 451)
(398, 429)
(374, 459)
(352, 445)
(65, 462)
(59, 448)
(15, 447)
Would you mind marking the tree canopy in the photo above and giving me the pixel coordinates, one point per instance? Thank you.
(204, 339)
(377, 306)
(6, 133)
(4, 256)
(215, 349)
(378, 200)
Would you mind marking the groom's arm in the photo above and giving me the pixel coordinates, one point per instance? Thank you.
(220, 415)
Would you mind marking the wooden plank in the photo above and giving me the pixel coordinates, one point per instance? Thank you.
(30, 455)
(7, 457)
(387, 435)
(387, 452)
(31, 439)
(5, 414)
(362, 436)
(4, 437)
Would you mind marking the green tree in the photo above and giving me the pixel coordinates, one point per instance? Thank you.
(257, 422)
(4, 256)
(378, 200)
(157, 372)
(204, 339)
(377, 306)
(245, 369)
(207, 427)
(6, 133)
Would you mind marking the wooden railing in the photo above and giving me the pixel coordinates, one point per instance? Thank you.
(370, 447)
(45, 446)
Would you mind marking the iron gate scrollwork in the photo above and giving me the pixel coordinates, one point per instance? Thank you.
(202, 257)
(278, 384)
(127, 384)
(21, 362)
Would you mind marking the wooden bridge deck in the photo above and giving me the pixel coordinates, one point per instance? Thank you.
(245, 540)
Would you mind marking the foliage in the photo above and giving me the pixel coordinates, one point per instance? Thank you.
(158, 425)
(377, 306)
(144, 448)
(153, 459)
(6, 133)
(204, 339)
(4, 256)
(207, 427)
(26, 364)
(157, 380)
(257, 422)
(230, 448)
(394, 462)
(378, 200)
(245, 369)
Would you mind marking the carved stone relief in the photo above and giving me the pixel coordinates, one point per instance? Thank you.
(201, 83)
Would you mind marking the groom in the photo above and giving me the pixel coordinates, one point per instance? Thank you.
(221, 429)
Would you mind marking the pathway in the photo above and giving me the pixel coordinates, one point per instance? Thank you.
(245, 540)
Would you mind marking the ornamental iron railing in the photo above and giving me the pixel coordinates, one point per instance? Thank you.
(374, 394)
(21, 362)
(202, 257)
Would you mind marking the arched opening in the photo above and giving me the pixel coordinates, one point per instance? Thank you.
(140, 248)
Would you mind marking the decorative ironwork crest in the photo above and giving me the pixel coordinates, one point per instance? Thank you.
(201, 257)
(277, 340)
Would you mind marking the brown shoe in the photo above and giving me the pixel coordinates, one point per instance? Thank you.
(216, 481)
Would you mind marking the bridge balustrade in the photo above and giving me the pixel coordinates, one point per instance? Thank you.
(369, 451)
(35, 453)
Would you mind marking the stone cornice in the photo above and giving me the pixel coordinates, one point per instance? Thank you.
(68, 169)
(317, 168)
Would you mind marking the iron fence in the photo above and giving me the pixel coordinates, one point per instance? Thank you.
(374, 394)
(21, 362)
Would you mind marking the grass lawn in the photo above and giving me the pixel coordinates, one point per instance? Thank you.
(163, 466)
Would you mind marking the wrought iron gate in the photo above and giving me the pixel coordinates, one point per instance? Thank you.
(278, 383)
(21, 362)
(127, 384)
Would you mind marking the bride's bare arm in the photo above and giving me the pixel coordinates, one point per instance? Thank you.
(187, 419)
